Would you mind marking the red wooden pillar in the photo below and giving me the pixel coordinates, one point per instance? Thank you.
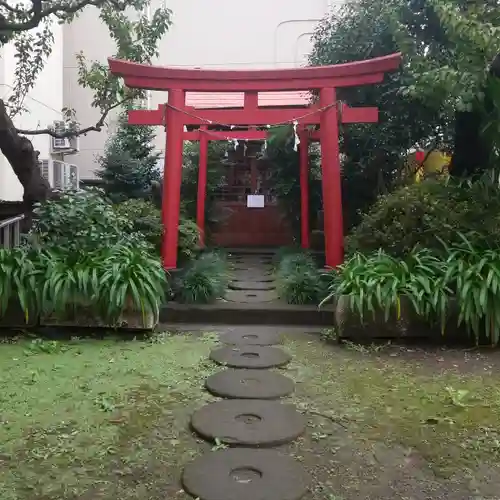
(304, 188)
(202, 185)
(330, 167)
(172, 177)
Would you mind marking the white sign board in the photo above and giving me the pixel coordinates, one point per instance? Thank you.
(255, 201)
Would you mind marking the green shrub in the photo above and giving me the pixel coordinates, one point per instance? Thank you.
(462, 275)
(87, 221)
(189, 240)
(145, 218)
(378, 282)
(426, 212)
(20, 280)
(129, 166)
(58, 282)
(204, 280)
(473, 274)
(283, 253)
(131, 279)
(81, 221)
(294, 262)
(298, 279)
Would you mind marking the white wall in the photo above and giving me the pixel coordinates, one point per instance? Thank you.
(43, 105)
(207, 34)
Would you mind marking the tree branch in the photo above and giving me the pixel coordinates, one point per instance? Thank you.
(14, 10)
(97, 127)
(36, 14)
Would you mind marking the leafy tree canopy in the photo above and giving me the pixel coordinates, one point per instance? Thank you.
(129, 166)
(444, 94)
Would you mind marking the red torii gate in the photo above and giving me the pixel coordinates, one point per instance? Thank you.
(175, 116)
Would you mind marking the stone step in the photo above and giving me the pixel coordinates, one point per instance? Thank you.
(230, 313)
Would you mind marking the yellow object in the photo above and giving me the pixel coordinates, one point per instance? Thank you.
(437, 162)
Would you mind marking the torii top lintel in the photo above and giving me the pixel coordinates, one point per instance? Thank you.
(145, 76)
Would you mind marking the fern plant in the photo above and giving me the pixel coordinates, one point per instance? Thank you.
(379, 281)
(473, 272)
(130, 279)
(205, 279)
(19, 281)
(298, 279)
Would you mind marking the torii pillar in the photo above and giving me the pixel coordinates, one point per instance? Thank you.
(172, 176)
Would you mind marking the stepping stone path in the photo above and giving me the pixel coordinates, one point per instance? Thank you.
(253, 280)
(250, 419)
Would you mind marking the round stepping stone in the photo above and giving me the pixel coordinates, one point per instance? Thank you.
(245, 474)
(256, 357)
(251, 338)
(249, 422)
(251, 296)
(249, 384)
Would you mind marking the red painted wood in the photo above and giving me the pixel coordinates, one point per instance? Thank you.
(304, 189)
(251, 227)
(359, 115)
(252, 116)
(251, 100)
(173, 175)
(138, 75)
(202, 186)
(255, 86)
(332, 194)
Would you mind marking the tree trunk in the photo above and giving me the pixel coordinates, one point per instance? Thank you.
(23, 158)
(472, 151)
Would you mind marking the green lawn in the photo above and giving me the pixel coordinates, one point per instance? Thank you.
(98, 419)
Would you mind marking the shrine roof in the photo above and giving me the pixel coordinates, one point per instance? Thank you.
(206, 100)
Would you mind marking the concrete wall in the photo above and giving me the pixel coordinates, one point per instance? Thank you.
(43, 105)
(207, 34)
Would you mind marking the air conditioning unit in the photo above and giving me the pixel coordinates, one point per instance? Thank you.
(60, 175)
(64, 145)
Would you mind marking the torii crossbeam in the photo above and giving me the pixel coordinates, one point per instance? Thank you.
(323, 116)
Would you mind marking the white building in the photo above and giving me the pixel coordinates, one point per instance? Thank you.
(205, 34)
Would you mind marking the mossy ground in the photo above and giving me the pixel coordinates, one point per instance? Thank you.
(108, 419)
(99, 419)
(398, 422)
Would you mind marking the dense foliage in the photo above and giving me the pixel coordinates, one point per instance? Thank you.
(298, 279)
(284, 164)
(373, 154)
(215, 177)
(441, 97)
(83, 255)
(463, 276)
(204, 280)
(460, 73)
(145, 219)
(425, 213)
(80, 222)
(129, 166)
(64, 282)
